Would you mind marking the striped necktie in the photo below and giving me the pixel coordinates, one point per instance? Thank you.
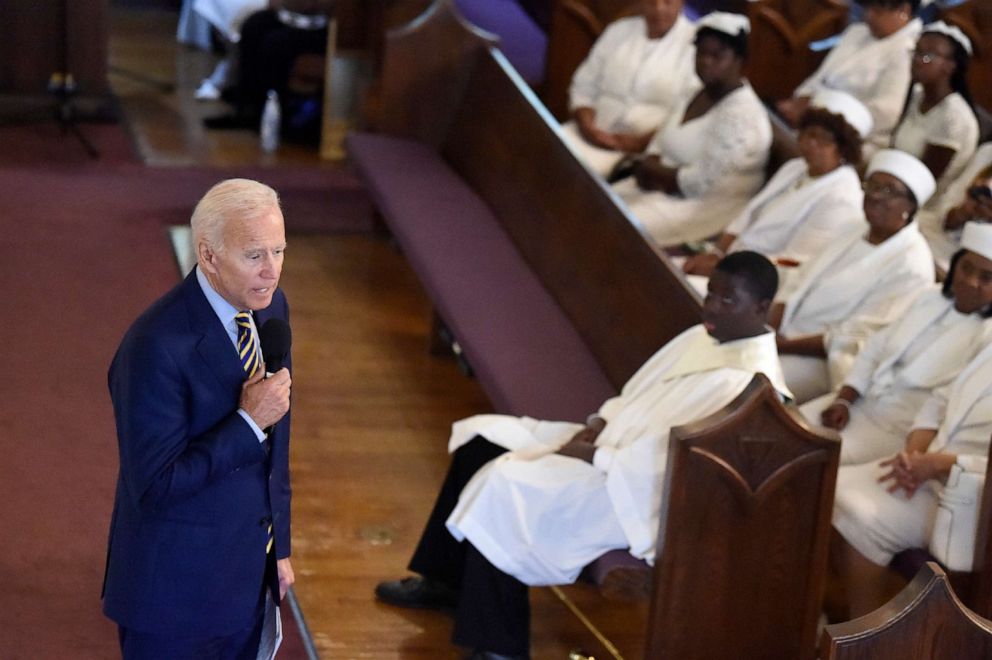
(247, 347)
(248, 352)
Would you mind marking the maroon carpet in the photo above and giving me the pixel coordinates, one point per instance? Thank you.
(84, 251)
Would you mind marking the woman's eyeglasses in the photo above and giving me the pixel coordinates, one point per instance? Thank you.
(980, 193)
(927, 57)
(881, 191)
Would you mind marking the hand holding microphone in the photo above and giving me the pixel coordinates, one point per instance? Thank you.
(266, 399)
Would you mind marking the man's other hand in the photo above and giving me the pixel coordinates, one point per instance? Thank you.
(286, 578)
(266, 400)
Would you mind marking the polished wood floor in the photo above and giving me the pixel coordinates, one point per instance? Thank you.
(371, 408)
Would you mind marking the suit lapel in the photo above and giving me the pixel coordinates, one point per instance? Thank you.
(214, 345)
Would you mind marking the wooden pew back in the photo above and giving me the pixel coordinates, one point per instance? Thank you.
(974, 17)
(925, 620)
(620, 292)
(426, 65)
(781, 31)
(742, 560)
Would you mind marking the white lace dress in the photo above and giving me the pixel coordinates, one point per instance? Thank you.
(951, 124)
(720, 157)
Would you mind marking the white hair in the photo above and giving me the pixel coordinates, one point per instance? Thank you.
(243, 199)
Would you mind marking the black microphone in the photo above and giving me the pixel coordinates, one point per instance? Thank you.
(276, 338)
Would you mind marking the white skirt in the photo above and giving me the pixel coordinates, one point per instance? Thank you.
(674, 220)
(807, 377)
(878, 524)
(862, 440)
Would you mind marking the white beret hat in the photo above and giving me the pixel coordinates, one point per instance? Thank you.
(952, 31)
(851, 109)
(977, 237)
(907, 169)
(722, 21)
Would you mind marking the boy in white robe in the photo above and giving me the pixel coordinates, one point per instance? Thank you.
(528, 502)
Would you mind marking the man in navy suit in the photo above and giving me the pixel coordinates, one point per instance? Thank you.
(201, 524)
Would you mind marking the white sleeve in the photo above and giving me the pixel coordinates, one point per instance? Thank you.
(585, 87)
(932, 412)
(889, 94)
(868, 360)
(972, 463)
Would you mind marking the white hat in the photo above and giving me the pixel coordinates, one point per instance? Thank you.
(952, 31)
(722, 21)
(977, 237)
(851, 109)
(907, 169)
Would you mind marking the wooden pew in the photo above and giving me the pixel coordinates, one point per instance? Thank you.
(742, 561)
(444, 87)
(781, 32)
(974, 17)
(925, 620)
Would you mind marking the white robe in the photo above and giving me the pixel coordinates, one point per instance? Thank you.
(541, 517)
(897, 370)
(879, 524)
(942, 242)
(720, 158)
(797, 217)
(848, 300)
(874, 71)
(632, 82)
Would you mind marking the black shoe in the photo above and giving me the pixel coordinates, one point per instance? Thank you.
(489, 655)
(417, 592)
(231, 122)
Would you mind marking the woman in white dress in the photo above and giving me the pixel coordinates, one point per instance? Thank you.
(637, 72)
(870, 62)
(810, 200)
(861, 283)
(884, 508)
(921, 351)
(939, 126)
(708, 160)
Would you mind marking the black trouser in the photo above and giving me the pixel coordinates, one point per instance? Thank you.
(266, 54)
(493, 611)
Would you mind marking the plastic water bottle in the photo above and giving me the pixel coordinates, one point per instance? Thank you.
(271, 120)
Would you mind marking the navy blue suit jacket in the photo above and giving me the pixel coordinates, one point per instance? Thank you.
(196, 489)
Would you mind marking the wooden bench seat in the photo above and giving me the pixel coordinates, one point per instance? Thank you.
(525, 352)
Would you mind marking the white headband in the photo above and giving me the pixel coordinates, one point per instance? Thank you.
(977, 237)
(722, 21)
(952, 31)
